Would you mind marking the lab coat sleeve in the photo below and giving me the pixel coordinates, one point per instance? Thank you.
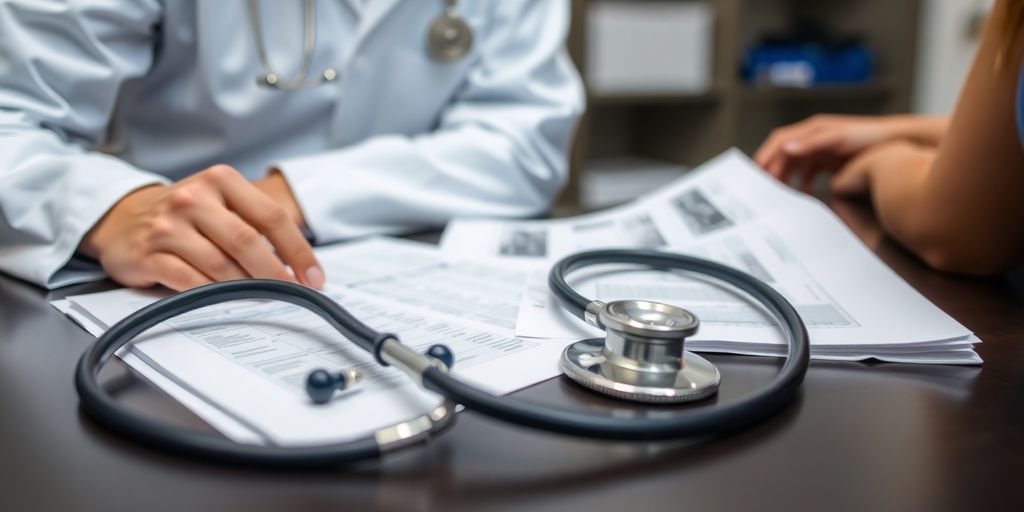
(61, 66)
(500, 148)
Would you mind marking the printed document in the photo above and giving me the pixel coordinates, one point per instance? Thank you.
(729, 211)
(246, 361)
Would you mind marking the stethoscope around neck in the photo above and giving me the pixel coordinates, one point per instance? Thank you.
(642, 359)
(449, 38)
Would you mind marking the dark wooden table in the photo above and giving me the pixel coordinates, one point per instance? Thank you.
(862, 436)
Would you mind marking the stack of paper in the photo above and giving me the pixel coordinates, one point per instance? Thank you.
(728, 210)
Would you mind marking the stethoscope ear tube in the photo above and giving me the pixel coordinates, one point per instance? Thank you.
(105, 410)
(99, 405)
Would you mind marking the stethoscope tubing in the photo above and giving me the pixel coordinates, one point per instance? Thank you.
(706, 422)
(105, 410)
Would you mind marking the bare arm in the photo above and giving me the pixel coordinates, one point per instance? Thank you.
(959, 207)
(923, 130)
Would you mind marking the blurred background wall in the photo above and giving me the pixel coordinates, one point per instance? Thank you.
(947, 43)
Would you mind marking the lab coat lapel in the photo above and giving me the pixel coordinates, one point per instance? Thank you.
(374, 12)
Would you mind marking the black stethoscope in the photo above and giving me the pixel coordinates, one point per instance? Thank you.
(641, 359)
(449, 38)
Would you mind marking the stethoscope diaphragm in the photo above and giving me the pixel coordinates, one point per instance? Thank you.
(643, 356)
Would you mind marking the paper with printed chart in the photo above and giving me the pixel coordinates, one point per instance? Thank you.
(730, 211)
(241, 365)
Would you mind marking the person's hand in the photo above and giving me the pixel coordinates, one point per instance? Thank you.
(856, 177)
(212, 226)
(820, 143)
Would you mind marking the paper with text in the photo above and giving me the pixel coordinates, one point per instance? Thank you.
(731, 212)
(249, 359)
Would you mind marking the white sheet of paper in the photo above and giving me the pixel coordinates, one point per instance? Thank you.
(728, 211)
(205, 410)
(249, 358)
(714, 197)
(839, 308)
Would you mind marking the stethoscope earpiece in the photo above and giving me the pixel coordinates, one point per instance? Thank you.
(442, 354)
(322, 384)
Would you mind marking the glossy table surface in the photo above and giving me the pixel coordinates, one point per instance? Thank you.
(863, 436)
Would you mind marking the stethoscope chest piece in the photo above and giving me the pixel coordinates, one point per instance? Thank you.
(641, 359)
(449, 37)
(643, 356)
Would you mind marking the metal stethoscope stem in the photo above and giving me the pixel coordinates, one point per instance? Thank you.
(271, 76)
(449, 38)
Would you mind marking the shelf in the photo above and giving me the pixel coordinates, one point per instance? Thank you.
(688, 128)
(651, 98)
(875, 90)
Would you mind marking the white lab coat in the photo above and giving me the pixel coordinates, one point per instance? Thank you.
(101, 97)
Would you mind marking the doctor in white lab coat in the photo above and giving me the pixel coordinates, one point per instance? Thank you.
(134, 133)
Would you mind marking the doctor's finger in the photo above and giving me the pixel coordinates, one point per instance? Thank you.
(204, 255)
(242, 242)
(174, 273)
(270, 219)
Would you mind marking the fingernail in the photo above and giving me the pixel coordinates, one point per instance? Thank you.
(315, 277)
(791, 146)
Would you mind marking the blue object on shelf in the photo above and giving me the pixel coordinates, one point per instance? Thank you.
(808, 64)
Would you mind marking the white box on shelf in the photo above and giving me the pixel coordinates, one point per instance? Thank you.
(649, 47)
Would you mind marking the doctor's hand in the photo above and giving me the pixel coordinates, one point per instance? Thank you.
(212, 226)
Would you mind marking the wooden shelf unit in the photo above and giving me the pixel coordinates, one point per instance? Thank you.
(688, 129)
